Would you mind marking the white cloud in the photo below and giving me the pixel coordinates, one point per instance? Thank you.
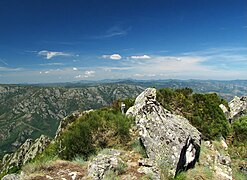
(112, 56)
(109, 69)
(89, 73)
(10, 69)
(51, 54)
(86, 74)
(140, 57)
(75, 69)
(78, 76)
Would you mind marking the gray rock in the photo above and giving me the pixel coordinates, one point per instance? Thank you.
(28, 151)
(11, 177)
(219, 161)
(170, 140)
(102, 163)
(238, 108)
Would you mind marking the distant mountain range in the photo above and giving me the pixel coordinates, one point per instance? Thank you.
(226, 89)
(27, 111)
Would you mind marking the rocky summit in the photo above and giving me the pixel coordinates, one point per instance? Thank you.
(169, 139)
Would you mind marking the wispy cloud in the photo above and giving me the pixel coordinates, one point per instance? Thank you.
(52, 64)
(109, 69)
(112, 56)
(3, 62)
(115, 31)
(10, 69)
(51, 54)
(86, 74)
(140, 57)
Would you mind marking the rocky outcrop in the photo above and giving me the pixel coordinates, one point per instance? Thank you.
(237, 108)
(11, 177)
(28, 151)
(171, 142)
(102, 163)
(218, 160)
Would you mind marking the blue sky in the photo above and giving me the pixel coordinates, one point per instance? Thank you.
(71, 40)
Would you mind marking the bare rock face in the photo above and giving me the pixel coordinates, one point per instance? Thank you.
(28, 151)
(238, 108)
(170, 140)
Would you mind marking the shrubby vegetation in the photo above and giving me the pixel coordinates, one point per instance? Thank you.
(202, 110)
(93, 131)
(238, 150)
(240, 129)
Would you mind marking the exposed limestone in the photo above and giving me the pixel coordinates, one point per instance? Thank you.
(218, 161)
(170, 140)
(238, 107)
(11, 177)
(25, 153)
(104, 162)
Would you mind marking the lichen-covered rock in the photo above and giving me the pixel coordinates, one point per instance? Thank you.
(11, 177)
(103, 163)
(170, 140)
(28, 151)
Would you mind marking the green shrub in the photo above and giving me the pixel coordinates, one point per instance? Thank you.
(137, 146)
(202, 110)
(240, 129)
(94, 131)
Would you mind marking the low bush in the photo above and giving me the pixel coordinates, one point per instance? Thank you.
(202, 110)
(240, 129)
(93, 131)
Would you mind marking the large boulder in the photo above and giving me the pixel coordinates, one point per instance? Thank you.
(171, 142)
(237, 108)
(27, 151)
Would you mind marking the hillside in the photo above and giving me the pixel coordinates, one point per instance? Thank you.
(149, 142)
(28, 111)
(226, 89)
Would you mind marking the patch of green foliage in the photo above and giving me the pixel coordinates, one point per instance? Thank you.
(202, 110)
(116, 105)
(138, 146)
(240, 129)
(93, 131)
